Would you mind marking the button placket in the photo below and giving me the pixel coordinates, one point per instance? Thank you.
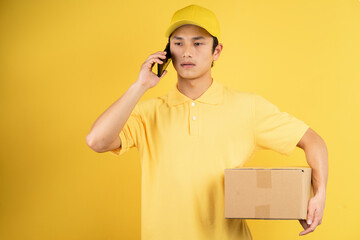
(194, 119)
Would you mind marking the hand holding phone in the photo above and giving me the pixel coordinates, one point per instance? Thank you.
(147, 78)
(161, 67)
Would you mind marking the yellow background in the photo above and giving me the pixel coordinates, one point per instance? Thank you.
(62, 63)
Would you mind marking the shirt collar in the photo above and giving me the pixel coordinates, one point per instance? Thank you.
(213, 95)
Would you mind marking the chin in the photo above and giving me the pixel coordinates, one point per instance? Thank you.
(188, 75)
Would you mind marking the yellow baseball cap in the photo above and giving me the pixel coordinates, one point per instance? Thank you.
(196, 15)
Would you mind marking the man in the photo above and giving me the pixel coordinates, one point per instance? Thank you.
(187, 138)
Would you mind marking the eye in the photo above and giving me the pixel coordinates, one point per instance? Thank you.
(177, 43)
(198, 43)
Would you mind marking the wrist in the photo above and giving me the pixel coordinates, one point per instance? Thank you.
(320, 192)
(141, 88)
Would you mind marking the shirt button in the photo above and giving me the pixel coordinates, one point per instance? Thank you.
(193, 104)
(194, 118)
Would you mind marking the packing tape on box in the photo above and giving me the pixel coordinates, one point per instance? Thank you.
(262, 211)
(263, 179)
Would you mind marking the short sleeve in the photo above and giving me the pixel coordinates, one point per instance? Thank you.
(275, 130)
(131, 133)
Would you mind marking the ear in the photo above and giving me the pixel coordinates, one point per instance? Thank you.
(217, 51)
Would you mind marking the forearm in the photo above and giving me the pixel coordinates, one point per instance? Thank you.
(109, 124)
(317, 158)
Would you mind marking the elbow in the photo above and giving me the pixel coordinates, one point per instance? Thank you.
(92, 143)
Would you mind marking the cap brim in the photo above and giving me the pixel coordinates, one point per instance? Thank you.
(178, 24)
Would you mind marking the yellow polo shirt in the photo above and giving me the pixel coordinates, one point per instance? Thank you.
(186, 144)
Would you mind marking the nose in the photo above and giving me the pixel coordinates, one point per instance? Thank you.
(187, 51)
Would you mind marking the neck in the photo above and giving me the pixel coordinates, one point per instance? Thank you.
(194, 88)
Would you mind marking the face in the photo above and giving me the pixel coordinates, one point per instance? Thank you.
(191, 51)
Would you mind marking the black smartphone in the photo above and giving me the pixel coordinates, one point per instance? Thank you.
(161, 67)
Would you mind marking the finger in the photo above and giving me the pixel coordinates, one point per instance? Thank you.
(158, 60)
(157, 55)
(307, 230)
(159, 52)
(316, 219)
(312, 227)
(153, 60)
(310, 215)
(150, 63)
(303, 223)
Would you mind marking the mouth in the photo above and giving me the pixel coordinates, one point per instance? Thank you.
(187, 65)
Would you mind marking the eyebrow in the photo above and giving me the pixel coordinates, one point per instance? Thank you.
(194, 38)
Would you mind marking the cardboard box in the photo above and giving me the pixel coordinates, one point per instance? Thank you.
(267, 193)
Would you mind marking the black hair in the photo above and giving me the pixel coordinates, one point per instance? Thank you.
(215, 43)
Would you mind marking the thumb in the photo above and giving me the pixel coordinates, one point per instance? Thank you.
(310, 216)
